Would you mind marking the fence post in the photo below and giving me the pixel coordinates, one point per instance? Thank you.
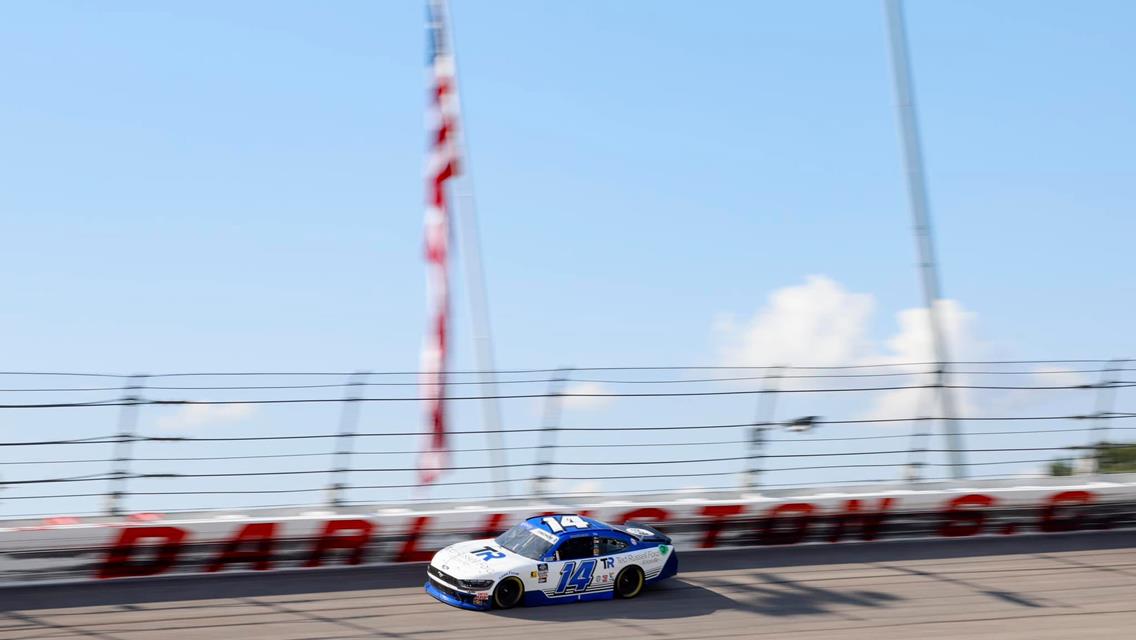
(124, 443)
(1106, 395)
(913, 471)
(920, 435)
(766, 410)
(344, 444)
(553, 402)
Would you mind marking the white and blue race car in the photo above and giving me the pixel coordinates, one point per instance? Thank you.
(551, 560)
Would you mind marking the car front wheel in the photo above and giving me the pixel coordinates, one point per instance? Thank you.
(508, 593)
(629, 582)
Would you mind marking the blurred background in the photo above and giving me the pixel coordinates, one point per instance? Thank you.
(717, 194)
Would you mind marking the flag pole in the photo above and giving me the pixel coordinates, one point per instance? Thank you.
(920, 212)
(470, 239)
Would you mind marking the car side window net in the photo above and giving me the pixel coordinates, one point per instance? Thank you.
(576, 548)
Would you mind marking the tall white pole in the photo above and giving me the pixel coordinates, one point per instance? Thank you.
(920, 212)
(470, 238)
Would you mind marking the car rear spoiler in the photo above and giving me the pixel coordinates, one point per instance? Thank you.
(638, 529)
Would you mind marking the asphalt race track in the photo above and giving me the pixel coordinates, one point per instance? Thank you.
(1069, 586)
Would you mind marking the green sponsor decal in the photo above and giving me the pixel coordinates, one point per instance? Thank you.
(663, 549)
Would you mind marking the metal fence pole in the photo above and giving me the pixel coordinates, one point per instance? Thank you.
(124, 444)
(1106, 396)
(920, 435)
(553, 403)
(921, 216)
(766, 410)
(344, 444)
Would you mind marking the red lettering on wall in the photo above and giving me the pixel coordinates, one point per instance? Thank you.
(410, 551)
(799, 514)
(1050, 523)
(870, 523)
(652, 514)
(958, 520)
(351, 535)
(259, 536)
(715, 514)
(117, 563)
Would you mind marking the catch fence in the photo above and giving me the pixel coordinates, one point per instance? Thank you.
(104, 444)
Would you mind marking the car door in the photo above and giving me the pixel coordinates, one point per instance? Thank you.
(574, 565)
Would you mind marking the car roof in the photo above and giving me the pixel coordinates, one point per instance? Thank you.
(593, 525)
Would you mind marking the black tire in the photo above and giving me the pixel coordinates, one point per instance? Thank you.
(508, 593)
(629, 582)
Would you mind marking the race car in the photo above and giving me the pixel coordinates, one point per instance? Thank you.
(551, 560)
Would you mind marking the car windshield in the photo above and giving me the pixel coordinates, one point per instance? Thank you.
(527, 540)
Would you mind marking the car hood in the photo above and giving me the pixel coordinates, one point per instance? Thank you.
(459, 561)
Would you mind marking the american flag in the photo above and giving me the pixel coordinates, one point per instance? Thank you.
(441, 166)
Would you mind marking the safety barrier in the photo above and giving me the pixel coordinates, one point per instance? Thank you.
(103, 444)
(282, 539)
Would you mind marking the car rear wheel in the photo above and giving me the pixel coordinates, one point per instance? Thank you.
(629, 582)
(508, 593)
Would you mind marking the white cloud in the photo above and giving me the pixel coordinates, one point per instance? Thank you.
(913, 343)
(821, 323)
(816, 323)
(586, 401)
(193, 416)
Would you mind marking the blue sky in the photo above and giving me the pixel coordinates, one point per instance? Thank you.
(238, 186)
